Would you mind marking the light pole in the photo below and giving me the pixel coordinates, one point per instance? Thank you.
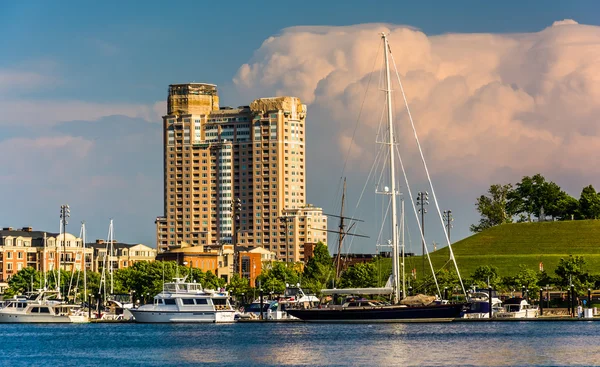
(422, 200)
(448, 219)
(286, 219)
(65, 213)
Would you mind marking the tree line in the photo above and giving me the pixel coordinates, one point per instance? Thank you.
(533, 197)
(143, 280)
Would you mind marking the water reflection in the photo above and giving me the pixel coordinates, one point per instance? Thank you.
(295, 344)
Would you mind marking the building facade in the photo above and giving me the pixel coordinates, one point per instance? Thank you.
(230, 174)
(123, 255)
(218, 259)
(24, 247)
(251, 261)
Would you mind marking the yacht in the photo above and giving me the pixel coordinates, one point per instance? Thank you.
(293, 298)
(518, 308)
(401, 308)
(185, 302)
(40, 307)
(479, 306)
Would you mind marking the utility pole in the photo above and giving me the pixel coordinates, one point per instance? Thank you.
(65, 213)
(448, 219)
(422, 200)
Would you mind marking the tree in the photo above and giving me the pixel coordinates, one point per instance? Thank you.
(239, 287)
(361, 275)
(589, 203)
(572, 270)
(567, 207)
(493, 208)
(527, 278)
(486, 275)
(275, 277)
(25, 280)
(319, 269)
(533, 194)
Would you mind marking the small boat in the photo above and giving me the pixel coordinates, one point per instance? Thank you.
(293, 298)
(41, 307)
(518, 308)
(479, 306)
(186, 302)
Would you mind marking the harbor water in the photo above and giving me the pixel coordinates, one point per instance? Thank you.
(300, 344)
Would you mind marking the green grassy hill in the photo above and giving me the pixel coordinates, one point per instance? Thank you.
(509, 245)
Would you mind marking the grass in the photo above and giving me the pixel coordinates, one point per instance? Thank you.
(510, 245)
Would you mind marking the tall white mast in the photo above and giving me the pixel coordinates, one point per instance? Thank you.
(403, 247)
(391, 143)
(58, 245)
(83, 262)
(112, 291)
(44, 264)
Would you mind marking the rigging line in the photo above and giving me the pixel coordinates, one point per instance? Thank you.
(428, 175)
(378, 158)
(414, 207)
(387, 210)
(359, 114)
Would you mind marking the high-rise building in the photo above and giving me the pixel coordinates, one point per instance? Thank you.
(230, 174)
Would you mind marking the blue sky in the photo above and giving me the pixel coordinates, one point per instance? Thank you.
(96, 72)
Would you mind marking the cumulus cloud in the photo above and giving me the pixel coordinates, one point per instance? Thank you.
(524, 101)
(488, 107)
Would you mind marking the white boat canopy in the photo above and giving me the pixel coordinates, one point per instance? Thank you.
(357, 291)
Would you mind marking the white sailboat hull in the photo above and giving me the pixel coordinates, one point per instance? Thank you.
(183, 316)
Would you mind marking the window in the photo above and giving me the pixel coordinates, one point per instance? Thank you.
(187, 301)
(169, 301)
(201, 301)
(9, 255)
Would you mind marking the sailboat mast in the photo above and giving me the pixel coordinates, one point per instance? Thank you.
(402, 226)
(391, 143)
(57, 250)
(83, 262)
(44, 264)
(341, 233)
(112, 291)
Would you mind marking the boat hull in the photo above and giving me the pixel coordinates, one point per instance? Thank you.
(142, 316)
(28, 318)
(432, 313)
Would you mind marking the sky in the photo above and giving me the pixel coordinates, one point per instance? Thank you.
(497, 90)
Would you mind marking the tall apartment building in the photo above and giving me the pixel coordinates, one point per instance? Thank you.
(231, 173)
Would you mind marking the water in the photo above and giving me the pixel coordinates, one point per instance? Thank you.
(297, 344)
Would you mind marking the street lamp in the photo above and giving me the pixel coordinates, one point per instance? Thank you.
(422, 200)
(65, 213)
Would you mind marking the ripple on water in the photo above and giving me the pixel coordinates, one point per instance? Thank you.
(291, 344)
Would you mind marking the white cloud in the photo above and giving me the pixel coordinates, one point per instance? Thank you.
(489, 108)
(47, 112)
(524, 101)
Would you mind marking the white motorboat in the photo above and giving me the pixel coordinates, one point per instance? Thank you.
(518, 308)
(479, 306)
(187, 303)
(293, 298)
(41, 307)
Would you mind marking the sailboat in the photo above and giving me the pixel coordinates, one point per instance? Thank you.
(361, 310)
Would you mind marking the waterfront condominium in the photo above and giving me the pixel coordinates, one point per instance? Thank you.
(236, 175)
